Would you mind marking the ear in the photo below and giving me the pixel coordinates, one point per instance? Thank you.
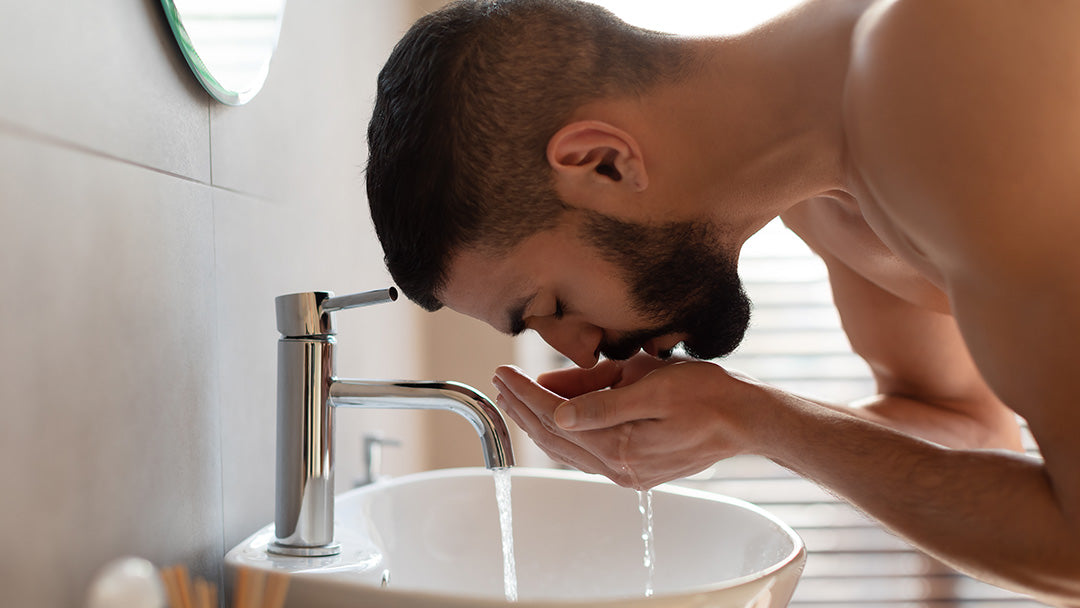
(592, 157)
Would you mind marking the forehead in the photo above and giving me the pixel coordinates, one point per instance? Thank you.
(487, 286)
(483, 286)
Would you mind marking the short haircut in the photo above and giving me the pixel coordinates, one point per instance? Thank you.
(465, 106)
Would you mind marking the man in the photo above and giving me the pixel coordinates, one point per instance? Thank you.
(538, 164)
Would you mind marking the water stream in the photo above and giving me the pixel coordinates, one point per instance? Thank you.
(645, 508)
(502, 495)
(506, 523)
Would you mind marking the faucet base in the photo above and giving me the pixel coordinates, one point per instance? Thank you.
(294, 551)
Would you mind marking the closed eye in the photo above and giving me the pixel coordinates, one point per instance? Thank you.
(560, 311)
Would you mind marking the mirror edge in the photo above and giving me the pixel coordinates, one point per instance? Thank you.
(195, 62)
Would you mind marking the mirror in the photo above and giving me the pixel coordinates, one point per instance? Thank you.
(227, 43)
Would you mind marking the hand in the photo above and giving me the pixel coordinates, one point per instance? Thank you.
(575, 381)
(657, 424)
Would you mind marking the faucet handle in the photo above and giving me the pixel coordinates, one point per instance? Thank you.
(373, 443)
(308, 313)
(356, 300)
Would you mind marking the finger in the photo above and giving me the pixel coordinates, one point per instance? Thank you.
(639, 366)
(591, 452)
(518, 411)
(603, 409)
(574, 381)
(525, 389)
(535, 421)
(550, 438)
(506, 407)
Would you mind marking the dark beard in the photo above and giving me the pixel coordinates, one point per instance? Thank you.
(678, 278)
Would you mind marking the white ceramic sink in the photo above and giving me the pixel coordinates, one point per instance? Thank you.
(577, 543)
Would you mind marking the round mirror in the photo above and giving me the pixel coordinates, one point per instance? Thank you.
(227, 43)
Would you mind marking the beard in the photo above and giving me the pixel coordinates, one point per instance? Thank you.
(680, 278)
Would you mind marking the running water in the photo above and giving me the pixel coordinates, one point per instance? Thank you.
(502, 494)
(645, 508)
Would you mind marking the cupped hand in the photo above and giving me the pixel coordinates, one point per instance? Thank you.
(641, 422)
(574, 381)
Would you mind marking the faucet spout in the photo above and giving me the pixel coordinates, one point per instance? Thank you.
(459, 398)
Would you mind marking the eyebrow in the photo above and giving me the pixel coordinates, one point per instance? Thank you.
(516, 315)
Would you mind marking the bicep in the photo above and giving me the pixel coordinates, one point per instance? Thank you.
(965, 121)
(912, 351)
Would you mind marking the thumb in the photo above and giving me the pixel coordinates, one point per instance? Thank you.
(574, 381)
(600, 410)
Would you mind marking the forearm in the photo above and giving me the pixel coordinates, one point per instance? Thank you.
(992, 514)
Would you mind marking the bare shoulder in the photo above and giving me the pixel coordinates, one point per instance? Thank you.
(963, 121)
(963, 118)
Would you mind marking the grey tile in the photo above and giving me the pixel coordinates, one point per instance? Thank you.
(305, 133)
(106, 76)
(111, 441)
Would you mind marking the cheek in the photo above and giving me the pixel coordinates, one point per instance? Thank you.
(611, 309)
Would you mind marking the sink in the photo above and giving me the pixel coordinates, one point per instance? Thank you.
(434, 539)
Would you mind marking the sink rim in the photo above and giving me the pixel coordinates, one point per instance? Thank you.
(794, 558)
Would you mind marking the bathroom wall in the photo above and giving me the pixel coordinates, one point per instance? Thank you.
(144, 232)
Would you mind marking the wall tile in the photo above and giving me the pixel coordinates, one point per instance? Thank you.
(305, 133)
(106, 76)
(110, 444)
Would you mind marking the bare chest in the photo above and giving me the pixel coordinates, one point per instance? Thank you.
(855, 235)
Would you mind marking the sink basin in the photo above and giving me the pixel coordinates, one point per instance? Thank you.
(434, 538)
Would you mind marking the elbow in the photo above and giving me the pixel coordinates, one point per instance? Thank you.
(1062, 593)
(1055, 578)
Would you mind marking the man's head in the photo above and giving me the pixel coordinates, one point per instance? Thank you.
(599, 285)
(466, 105)
(490, 195)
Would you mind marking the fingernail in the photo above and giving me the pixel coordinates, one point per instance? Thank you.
(566, 416)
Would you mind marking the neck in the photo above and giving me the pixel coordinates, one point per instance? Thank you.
(761, 117)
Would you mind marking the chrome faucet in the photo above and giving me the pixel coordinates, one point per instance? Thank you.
(308, 392)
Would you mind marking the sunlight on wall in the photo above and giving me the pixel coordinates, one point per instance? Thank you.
(697, 17)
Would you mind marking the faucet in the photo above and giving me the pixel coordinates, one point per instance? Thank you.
(308, 393)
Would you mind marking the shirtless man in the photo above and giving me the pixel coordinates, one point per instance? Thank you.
(538, 164)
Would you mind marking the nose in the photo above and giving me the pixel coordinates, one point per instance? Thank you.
(579, 342)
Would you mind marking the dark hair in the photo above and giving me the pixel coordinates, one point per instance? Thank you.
(465, 106)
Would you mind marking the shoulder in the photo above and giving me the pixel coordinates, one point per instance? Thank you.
(963, 108)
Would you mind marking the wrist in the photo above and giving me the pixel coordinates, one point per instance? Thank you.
(776, 423)
(758, 418)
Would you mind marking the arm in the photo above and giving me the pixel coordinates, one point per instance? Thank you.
(928, 386)
(990, 513)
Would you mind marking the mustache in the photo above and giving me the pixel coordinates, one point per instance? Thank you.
(708, 336)
(629, 344)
